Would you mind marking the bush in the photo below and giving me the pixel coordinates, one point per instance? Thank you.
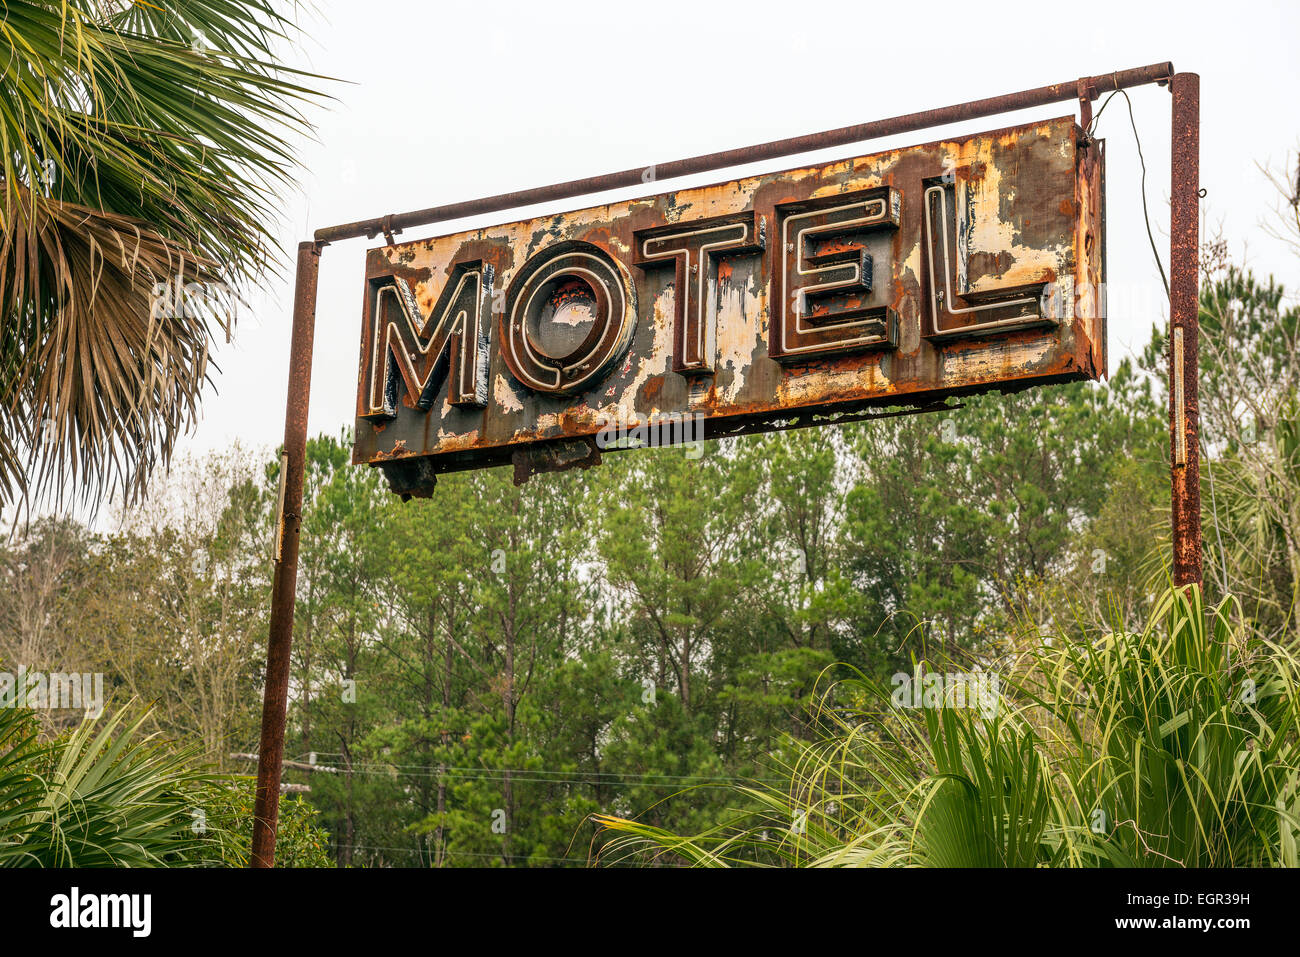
(1177, 746)
(102, 797)
(300, 841)
(98, 796)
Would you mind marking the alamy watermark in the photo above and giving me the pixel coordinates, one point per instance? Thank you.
(976, 690)
(178, 299)
(75, 909)
(74, 691)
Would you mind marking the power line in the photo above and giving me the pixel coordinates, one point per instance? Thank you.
(523, 777)
(541, 774)
(475, 854)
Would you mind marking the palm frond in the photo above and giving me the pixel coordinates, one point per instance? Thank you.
(140, 145)
(105, 796)
(1175, 746)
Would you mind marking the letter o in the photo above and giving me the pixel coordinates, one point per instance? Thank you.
(570, 315)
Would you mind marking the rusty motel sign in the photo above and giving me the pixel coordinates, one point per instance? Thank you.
(797, 297)
(776, 301)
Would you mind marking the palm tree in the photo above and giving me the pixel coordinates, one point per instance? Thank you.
(142, 144)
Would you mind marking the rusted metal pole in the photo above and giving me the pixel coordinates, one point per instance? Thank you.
(1184, 253)
(288, 524)
(910, 122)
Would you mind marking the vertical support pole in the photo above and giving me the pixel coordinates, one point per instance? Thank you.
(1184, 255)
(288, 524)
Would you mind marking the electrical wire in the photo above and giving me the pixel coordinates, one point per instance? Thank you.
(525, 777)
(1146, 215)
(475, 854)
(432, 770)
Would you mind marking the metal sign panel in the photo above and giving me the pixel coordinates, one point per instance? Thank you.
(769, 302)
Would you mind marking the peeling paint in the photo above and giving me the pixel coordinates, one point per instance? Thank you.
(1026, 217)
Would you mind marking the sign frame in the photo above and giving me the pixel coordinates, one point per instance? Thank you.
(1183, 355)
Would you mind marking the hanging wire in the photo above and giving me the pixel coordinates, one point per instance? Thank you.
(1146, 215)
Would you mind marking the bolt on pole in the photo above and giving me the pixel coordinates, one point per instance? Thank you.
(275, 702)
(1184, 253)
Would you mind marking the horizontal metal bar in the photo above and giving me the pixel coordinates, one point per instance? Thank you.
(1043, 95)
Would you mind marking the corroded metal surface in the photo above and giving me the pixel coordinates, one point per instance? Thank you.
(275, 698)
(1184, 411)
(896, 278)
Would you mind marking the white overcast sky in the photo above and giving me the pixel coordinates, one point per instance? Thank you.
(448, 102)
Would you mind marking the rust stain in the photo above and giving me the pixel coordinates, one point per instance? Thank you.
(990, 264)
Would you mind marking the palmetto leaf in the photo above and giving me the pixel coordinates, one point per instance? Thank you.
(114, 378)
(1178, 755)
(103, 797)
(140, 144)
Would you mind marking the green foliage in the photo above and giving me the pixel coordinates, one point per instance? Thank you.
(1174, 746)
(103, 796)
(1250, 402)
(228, 811)
(485, 670)
(958, 518)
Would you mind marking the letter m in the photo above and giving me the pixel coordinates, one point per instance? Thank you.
(405, 343)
